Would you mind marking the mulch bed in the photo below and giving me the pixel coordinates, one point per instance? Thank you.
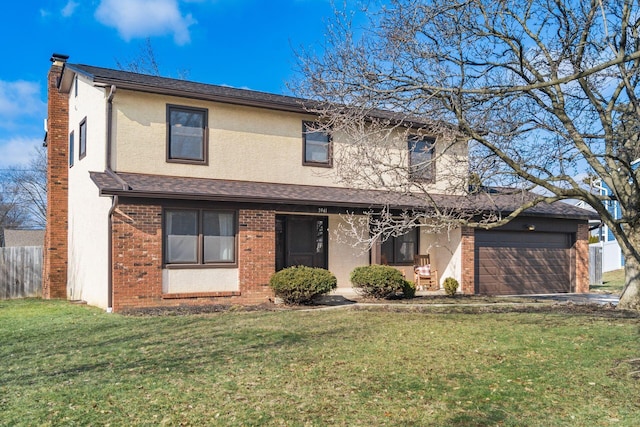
(462, 304)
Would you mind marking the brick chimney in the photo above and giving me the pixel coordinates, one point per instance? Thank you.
(54, 277)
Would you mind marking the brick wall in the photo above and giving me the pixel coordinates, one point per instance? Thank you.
(137, 260)
(257, 254)
(582, 258)
(468, 261)
(137, 256)
(54, 275)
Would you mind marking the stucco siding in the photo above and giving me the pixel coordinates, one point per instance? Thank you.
(88, 213)
(246, 144)
(446, 252)
(343, 255)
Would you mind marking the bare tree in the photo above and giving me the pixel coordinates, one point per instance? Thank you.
(145, 62)
(10, 214)
(542, 89)
(24, 192)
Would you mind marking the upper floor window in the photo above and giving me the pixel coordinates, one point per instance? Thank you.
(71, 148)
(186, 134)
(83, 138)
(316, 146)
(199, 236)
(399, 250)
(421, 165)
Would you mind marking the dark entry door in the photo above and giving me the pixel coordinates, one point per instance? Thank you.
(301, 240)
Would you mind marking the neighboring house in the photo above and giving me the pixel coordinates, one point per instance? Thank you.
(612, 257)
(168, 192)
(21, 237)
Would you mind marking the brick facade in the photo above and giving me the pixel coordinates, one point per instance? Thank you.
(137, 259)
(257, 253)
(582, 258)
(137, 256)
(468, 261)
(54, 274)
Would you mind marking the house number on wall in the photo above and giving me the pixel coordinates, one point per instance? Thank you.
(322, 210)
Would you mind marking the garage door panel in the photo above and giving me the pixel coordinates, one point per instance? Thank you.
(523, 239)
(530, 262)
(522, 263)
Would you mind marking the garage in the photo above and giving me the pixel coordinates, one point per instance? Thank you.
(511, 262)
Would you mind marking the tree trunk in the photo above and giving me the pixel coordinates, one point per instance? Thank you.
(630, 297)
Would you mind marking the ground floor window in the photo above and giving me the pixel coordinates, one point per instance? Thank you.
(199, 236)
(400, 250)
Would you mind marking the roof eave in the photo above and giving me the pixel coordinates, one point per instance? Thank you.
(236, 199)
(291, 201)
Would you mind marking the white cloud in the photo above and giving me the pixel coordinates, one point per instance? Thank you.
(44, 13)
(17, 150)
(68, 10)
(145, 18)
(20, 99)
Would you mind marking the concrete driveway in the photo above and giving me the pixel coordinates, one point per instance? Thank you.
(591, 298)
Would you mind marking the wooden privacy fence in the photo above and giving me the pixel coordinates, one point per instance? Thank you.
(20, 272)
(595, 264)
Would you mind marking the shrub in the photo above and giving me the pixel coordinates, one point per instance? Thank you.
(594, 239)
(409, 289)
(299, 285)
(450, 286)
(378, 281)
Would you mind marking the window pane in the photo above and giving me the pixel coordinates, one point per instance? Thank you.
(386, 251)
(405, 247)
(421, 154)
(316, 146)
(400, 249)
(219, 236)
(186, 140)
(71, 147)
(181, 236)
(83, 139)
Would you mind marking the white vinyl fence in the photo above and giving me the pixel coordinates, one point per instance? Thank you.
(20, 272)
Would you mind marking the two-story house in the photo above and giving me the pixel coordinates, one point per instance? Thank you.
(168, 192)
(612, 257)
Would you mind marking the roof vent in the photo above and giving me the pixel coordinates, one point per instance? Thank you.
(59, 59)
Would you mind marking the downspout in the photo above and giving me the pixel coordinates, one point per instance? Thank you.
(114, 202)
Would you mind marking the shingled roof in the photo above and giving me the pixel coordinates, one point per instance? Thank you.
(204, 91)
(169, 187)
(183, 188)
(169, 86)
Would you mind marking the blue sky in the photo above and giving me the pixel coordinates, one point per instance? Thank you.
(241, 43)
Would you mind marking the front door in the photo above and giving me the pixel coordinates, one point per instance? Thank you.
(301, 240)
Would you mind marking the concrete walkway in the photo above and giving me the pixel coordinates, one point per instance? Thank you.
(591, 298)
(348, 296)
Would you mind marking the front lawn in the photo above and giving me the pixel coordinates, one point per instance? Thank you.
(612, 282)
(62, 364)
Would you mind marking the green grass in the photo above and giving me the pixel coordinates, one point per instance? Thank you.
(612, 282)
(62, 364)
